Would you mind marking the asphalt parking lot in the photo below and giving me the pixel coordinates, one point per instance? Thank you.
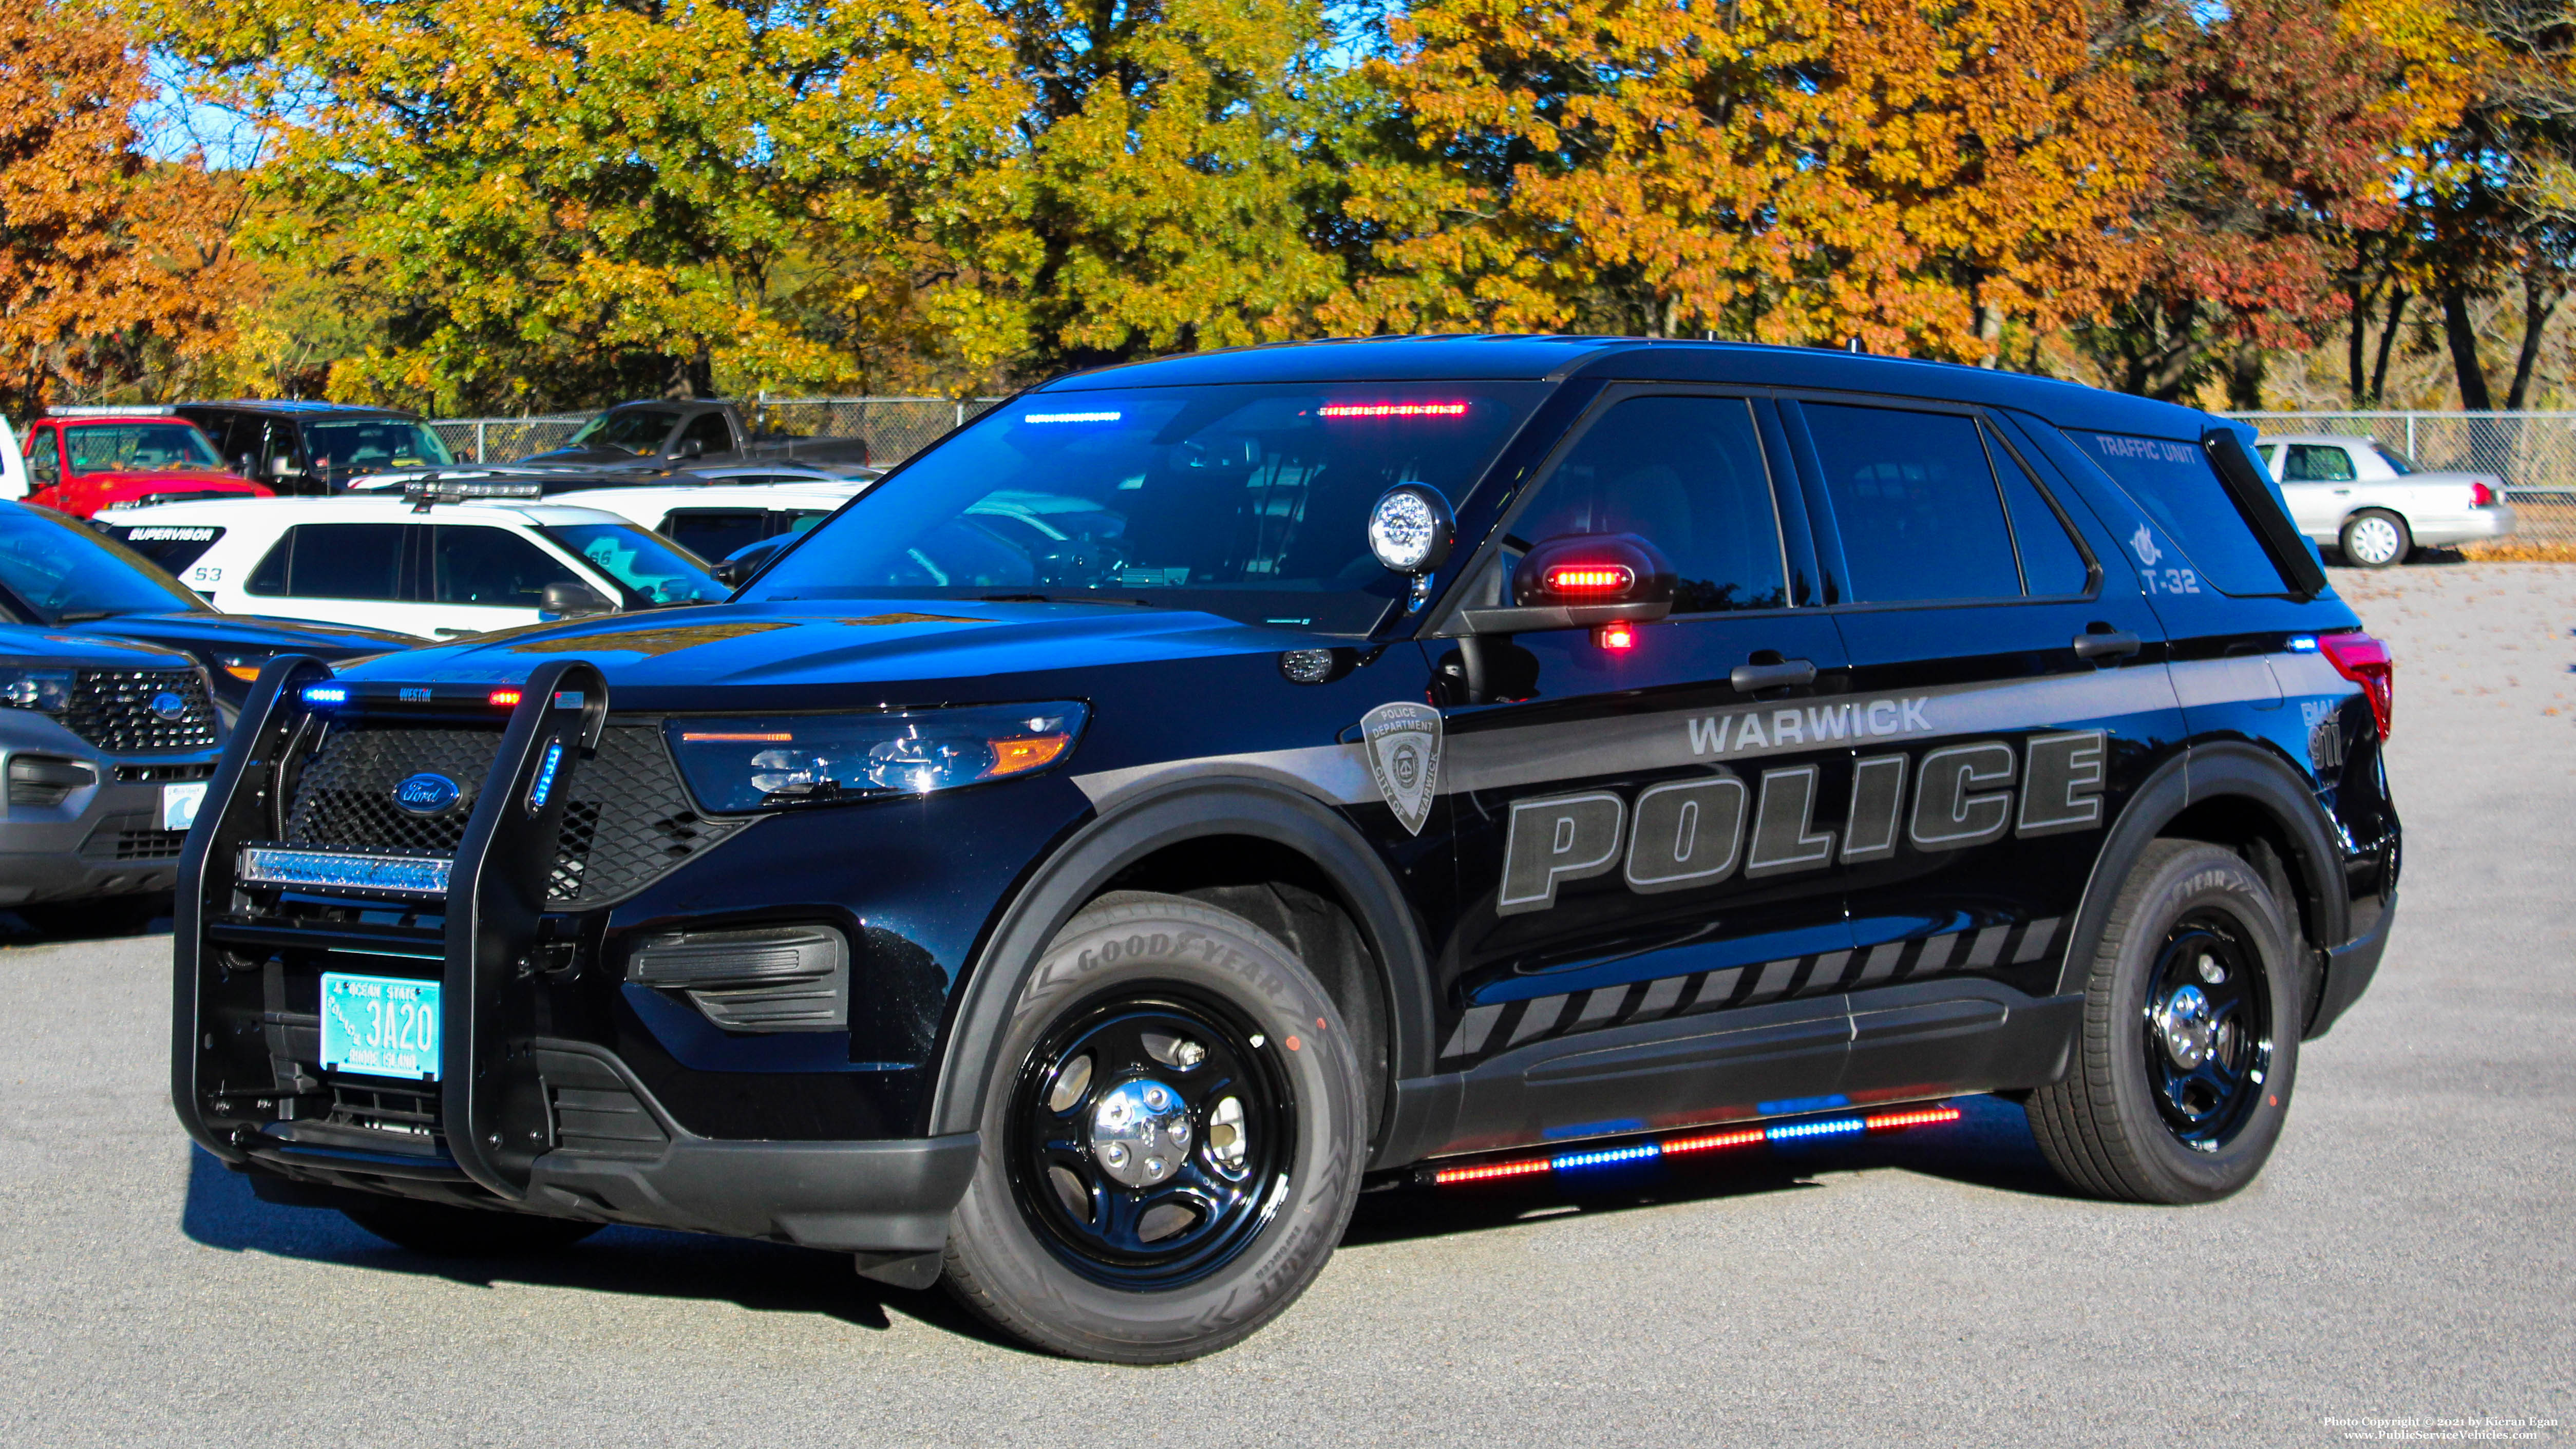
(2408, 1256)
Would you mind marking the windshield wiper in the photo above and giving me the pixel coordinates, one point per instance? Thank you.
(84, 616)
(1066, 598)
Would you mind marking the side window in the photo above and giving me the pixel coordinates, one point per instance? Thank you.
(334, 561)
(1915, 503)
(2172, 482)
(479, 564)
(2051, 565)
(714, 533)
(44, 460)
(2318, 463)
(709, 431)
(1686, 475)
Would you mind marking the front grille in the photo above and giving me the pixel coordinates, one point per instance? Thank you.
(113, 709)
(628, 821)
(346, 796)
(409, 1112)
(132, 837)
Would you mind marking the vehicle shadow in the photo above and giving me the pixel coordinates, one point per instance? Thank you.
(1991, 1147)
(101, 920)
(221, 1212)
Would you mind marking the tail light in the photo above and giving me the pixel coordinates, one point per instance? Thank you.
(2481, 496)
(2364, 660)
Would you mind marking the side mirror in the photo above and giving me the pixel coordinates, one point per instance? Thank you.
(693, 448)
(1579, 580)
(733, 573)
(573, 601)
(245, 466)
(281, 466)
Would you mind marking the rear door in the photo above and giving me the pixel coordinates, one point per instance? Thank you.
(2033, 686)
(342, 573)
(1653, 928)
(716, 533)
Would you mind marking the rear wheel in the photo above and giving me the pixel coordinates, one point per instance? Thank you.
(2375, 538)
(1172, 1136)
(441, 1231)
(2191, 1036)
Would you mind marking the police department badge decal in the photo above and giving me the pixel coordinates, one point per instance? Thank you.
(1403, 742)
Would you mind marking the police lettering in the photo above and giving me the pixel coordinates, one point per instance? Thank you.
(1699, 832)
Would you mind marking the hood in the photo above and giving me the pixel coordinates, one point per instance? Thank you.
(246, 633)
(31, 644)
(853, 654)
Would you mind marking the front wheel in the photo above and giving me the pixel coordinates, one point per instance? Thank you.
(2190, 1039)
(1173, 1129)
(2375, 538)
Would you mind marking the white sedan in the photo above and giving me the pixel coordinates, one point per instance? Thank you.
(2370, 502)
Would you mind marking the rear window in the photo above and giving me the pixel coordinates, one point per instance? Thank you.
(171, 546)
(2174, 484)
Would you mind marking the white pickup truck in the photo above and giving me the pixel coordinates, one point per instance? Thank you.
(2369, 501)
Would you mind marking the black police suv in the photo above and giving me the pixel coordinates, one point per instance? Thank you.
(316, 447)
(1198, 789)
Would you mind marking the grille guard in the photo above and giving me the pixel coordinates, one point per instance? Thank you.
(497, 886)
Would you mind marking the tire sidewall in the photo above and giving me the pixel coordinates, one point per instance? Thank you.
(2204, 877)
(2405, 539)
(1114, 951)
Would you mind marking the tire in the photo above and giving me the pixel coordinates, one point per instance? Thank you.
(1086, 1234)
(438, 1230)
(2127, 1122)
(2375, 538)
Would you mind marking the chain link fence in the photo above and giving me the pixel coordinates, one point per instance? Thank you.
(895, 427)
(2534, 453)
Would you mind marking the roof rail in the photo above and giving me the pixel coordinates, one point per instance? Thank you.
(423, 492)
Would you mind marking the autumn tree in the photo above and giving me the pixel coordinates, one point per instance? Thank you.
(1914, 173)
(113, 271)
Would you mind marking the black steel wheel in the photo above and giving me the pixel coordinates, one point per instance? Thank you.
(1173, 1129)
(2208, 1024)
(2181, 1080)
(1151, 1137)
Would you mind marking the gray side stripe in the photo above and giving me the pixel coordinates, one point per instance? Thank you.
(1989, 948)
(1936, 955)
(1882, 961)
(1660, 995)
(1538, 1017)
(1473, 1028)
(2034, 941)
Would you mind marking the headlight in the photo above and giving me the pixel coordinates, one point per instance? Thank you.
(752, 763)
(46, 689)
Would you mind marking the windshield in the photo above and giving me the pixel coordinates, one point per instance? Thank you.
(2397, 460)
(138, 447)
(64, 573)
(639, 431)
(650, 570)
(1248, 501)
(377, 443)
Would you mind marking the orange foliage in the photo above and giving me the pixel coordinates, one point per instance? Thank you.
(112, 268)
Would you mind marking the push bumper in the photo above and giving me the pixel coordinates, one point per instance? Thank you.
(2349, 968)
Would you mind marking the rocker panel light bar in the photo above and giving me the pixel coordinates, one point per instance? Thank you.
(1700, 1142)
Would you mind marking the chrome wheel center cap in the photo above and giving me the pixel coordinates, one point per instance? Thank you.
(2184, 1021)
(1140, 1133)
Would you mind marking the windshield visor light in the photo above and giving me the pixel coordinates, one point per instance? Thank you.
(758, 764)
(41, 689)
(1410, 529)
(1393, 410)
(1591, 579)
(1068, 417)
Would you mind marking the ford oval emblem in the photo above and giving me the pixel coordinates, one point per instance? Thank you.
(425, 794)
(169, 708)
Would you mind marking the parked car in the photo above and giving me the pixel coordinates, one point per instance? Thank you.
(109, 745)
(79, 461)
(314, 448)
(2371, 502)
(714, 522)
(712, 430)
(72, 579)
(436, 565)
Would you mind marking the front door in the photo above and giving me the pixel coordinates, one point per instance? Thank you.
(1653, 916)
(2034, 680)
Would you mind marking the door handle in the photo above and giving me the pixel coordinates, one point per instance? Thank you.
(2109, 644)
(1748, 678)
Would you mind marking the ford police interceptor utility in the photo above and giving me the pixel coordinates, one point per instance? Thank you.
(1446, 760)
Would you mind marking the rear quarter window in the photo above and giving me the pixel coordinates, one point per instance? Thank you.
(173, 547)
(2173, 483)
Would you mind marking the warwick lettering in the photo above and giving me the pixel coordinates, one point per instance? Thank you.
(1685, 834)
(1719, 734)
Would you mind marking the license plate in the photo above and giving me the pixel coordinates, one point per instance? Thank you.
(384, 1026)
(179, 804)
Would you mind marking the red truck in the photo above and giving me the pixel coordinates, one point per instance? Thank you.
(81, 461)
